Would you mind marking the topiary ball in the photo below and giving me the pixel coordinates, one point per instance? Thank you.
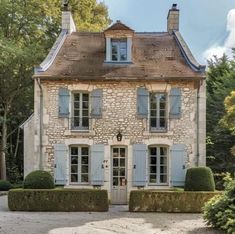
(199, 179)
(39, 180)
(5, 185)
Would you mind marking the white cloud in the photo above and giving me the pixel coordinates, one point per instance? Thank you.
(229, 42)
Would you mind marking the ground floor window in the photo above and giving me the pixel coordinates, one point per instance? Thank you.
(79, 164)
(158, 165)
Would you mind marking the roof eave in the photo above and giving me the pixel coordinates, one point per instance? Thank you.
(187, 54)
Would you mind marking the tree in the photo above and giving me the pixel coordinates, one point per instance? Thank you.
(28, 29)
(220, 82)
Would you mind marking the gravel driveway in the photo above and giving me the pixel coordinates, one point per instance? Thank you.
(117, 220)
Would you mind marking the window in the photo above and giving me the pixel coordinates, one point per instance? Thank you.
(119, 50)
(158, 165)
(158, 112)
(79, 164)
(80, 119)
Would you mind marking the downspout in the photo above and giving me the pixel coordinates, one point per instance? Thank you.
(197, 123)
(40, 124)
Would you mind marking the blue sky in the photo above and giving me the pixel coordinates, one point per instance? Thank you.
(203, 23)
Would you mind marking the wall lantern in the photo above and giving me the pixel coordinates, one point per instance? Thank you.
(119, 136)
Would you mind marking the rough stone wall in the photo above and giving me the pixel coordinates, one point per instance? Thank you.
(119, 113)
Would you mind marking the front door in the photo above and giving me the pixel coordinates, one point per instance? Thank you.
(119, 176)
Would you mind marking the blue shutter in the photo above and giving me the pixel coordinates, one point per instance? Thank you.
(139, 165)
(142, 102)
(60, 163)
(96, 103)
(97, 169)
(178, 159)
(175, 103)
(64, 98)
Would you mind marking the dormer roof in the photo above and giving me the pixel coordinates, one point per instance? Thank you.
(118, 26)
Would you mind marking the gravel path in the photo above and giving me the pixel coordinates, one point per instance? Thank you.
(117, 220)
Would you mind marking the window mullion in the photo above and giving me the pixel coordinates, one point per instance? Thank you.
(158, 111)
(79, 165)
(80, 111)
(158, 165)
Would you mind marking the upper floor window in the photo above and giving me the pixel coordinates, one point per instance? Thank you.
(80, 118)
(119, 50)
(158, 111)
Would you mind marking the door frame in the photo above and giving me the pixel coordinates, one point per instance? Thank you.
(111, 170)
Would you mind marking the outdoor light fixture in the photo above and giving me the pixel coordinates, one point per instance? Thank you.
(119, 136)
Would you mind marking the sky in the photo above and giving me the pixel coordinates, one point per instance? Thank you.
(208, 26)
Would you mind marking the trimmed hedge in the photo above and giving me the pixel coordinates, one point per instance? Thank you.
(58, 200)
(39, 180)
(5, 185)
(199, 179)
(168, 201)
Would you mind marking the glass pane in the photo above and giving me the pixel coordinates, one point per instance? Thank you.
(162, 122)
(163, 169)
(123, 44)
(162, 105)
(115, 162)
(85, 97)
(123, 56)
(162, 97)
(163, 160)
(153, 169)
(74, 169)
(163, 178)
(153, 160)
(115, 150)
(114, 48)
(85, 105)
(74, 160)
(162, 113)
(76, 121)
(85, 160)
(85, 122)
(74, 178)
(114, 57)
(122, 171)
(153, 113)
(122, 152)
(153, 105)
(85, 113)
(76, 105)
(152, 179)
(153, 151)
(115, 181)
(122, 181)
(85, 150)
(153, 122)
(84, 169)
(115, 171)
(76, 97)
(122, 162)
(163, 151)
(74, 151)
(84, 178)
(76, 113)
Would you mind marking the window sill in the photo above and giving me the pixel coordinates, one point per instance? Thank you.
(79, 132)
(158, 133)
(117, 62)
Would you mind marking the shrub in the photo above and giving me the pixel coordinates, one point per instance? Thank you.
(168, 201)
(5, 185)
(58, 200)
(199, 179)
(219, 212)
(39, 180)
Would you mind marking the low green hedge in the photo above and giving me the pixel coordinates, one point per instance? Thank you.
(5, 185)
(168, 201)
(58, 200)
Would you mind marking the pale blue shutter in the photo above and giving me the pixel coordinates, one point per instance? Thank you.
(96, 103)
(97, 168)
(175, 103)
(142, 102)
(178, 159)
(64, 98)
(60, 163)
(139, 165)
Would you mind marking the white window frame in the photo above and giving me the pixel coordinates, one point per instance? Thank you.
(79, 164)
(80, 127)
(158, 165)
(158, 128)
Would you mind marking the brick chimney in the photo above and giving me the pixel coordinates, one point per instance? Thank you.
(67, 19)
(173, 19)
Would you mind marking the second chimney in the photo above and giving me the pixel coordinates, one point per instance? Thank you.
(173, 19)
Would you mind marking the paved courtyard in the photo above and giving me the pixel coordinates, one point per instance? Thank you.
(117, 220)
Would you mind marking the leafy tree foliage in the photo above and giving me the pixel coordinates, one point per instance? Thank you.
(28, 29)
(220, 83)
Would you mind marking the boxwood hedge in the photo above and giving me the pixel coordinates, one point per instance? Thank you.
(58, 200)
(168, 201)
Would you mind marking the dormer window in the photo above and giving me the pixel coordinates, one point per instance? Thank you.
(119, 50)
(118, 43)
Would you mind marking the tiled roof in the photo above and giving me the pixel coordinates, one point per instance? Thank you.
(154, 56)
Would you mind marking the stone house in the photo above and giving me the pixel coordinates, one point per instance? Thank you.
(117, 110)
